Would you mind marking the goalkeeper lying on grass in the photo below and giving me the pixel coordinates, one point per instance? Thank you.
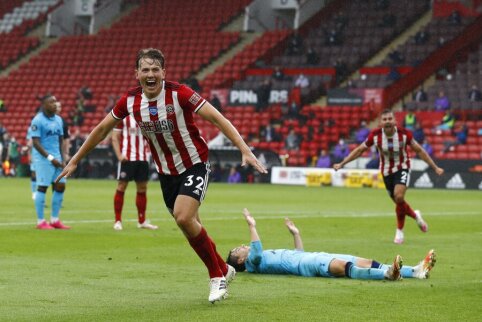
(318, 264)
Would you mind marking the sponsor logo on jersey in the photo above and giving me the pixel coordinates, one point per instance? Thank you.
(153, 110)
(194, 99)
(170, 109)
(423, 182)
(34, 127)
(196, 192)
(159, 126)
(455, 182)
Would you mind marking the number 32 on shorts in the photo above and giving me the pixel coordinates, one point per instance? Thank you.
(199, 184)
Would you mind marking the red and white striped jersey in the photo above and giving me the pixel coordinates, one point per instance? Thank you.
(392, 150)
(132, 144)
(167, 122)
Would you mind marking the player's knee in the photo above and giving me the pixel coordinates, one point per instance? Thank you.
(42, 189)
(399, 198)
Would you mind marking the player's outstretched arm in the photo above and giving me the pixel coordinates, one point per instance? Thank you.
(295, 232)
(425, 157)
(208, 112)
(352, 156)
(95, 137)
(251, 224)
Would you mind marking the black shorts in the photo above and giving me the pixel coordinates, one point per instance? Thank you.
(193, 183)
(133, 170)
(399, 177)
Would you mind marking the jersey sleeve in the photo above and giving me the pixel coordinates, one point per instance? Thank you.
(35, 128)
(370, 139)
(119, 126)
(409, 137)
(255, 252)
(189, 99)
(119, 111)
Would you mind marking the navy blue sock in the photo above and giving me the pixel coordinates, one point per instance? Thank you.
(376, 264)
(348, 268)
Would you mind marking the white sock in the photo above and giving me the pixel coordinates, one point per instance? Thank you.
(54, 219)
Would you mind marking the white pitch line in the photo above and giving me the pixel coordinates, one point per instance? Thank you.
(237, 216)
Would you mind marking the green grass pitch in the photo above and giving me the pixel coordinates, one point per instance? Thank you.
(93, 273)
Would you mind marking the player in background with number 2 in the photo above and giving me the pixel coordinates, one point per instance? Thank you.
(391, 142)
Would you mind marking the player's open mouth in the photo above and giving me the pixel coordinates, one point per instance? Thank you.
(151, 83)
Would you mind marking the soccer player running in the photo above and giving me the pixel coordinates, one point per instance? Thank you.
(392, 142)
(254, 259)
(131, 151)
(48, 153)
(164, 112)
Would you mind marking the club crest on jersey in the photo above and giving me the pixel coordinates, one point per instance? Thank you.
(194, 99)
(153, 110)
(170, 109)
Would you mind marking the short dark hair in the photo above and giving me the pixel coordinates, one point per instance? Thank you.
(386, 111)
(233, 261)
(151, 53)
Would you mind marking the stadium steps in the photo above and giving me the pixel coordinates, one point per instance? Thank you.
(403, 38)
(246, 39)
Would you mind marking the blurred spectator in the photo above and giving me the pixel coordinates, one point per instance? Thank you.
(341, 20)
(340, 151)
(269, 134)
(441, 41)
(332, 38)
(216, 103)
(111, 100)
(474, 94)
(393, 75)
(421, 37)
(420, 95)
(454, 18)
(85, 92)
(461, 134)
(312, 57)
(193, 83)
(3, 107)
(278, 74)
(442, 103)
(374, 161)
(292, 141)
(362, 133)
(302, 81)
(447, 123)
(324, 160)
(295, 45)
(13, 155)
(341, 69)
(76, 141)
(396, 57)
(410, 120)
(418, 133)
(428, 148)
(216, 173)
(234, 175)
(263, 92)
(350, 84)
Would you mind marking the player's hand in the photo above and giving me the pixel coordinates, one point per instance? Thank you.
(67, 171)
(439, 171)
(249, 219)
(253, 161)
(291, 226)
(123, 159)
(337, 166)
(56, 163)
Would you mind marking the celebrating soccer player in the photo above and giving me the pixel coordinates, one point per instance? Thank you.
(164, 112)
(391, 142)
